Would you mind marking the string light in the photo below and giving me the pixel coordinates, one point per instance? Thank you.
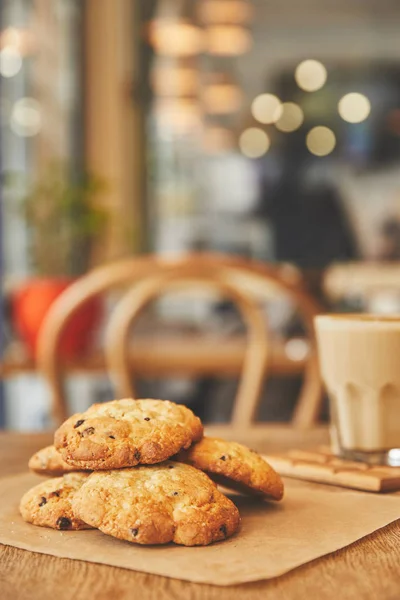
(291, 118)
(321, 141)
(310, 75)
(26, 117)
(254, 142)
(354, 107)
(266, 108)
(10, 62)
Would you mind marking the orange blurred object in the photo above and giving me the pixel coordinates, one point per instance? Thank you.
(176, 37)
(228, 40)
(214, 12)
(32, 300)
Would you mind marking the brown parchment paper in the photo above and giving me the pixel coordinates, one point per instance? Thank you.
(313, 520)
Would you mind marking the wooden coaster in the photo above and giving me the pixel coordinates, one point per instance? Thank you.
(321, 466)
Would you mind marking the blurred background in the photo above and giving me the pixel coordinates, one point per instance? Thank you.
(266, 130)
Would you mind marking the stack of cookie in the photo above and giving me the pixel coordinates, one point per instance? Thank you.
(111, 469)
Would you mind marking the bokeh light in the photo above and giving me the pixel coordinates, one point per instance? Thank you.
(26, 117)
(297, 349)
(21, 40)
(254, 142)
(291, 118)
(176, 38)
(228, 40)
(174, 80)
(227, 11)
(222, 98)
(266, 108)
(310, 75)
(354, 107)
(178, 115)
(10, 62)
(321, 141)
(10, 37)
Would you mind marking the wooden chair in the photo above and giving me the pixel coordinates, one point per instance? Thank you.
(256, 278)
(134, 301)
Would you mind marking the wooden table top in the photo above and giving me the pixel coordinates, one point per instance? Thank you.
(367, 570)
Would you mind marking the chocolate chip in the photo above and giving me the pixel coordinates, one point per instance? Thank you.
(175, 493)
(137, 455)
(170, 466)
(223, 457)
(112, 437)
(43, 501)
(63, 523)
(79, 423)
(147, 418)
(56, 493)
(223, 530)
(135, 532)
(87, 432)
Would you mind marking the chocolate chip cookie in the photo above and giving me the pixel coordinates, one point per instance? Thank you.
(48, 461)
(125, 433)
(168, 502)
(49, 503)
(234, 466)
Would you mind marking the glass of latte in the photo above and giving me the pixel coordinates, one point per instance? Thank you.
(360, 364)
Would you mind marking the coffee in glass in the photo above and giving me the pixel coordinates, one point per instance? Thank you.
(360, 365)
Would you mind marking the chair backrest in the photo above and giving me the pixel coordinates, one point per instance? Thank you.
(257, 278)
(132, 304)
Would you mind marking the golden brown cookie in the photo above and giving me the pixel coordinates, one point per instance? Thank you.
(48, 461)
(234, 466)
(169, 502)
(125, 433)
(49, 503)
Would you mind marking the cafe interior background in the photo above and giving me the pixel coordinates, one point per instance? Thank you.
(268, 130)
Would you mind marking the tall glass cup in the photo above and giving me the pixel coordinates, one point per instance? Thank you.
(360, 364)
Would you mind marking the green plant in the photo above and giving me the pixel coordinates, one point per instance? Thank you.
(64, 218)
